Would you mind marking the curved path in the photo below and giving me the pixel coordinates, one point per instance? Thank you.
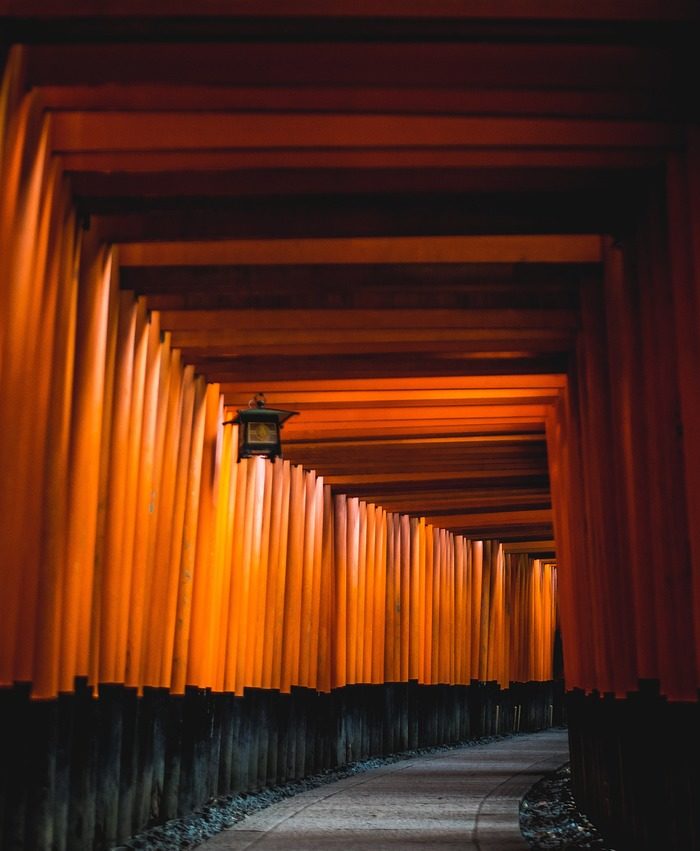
(466, 798)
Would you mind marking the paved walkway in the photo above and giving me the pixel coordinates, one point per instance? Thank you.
(466, 799)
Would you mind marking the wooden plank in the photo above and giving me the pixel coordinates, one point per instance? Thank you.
(350, 175)
(494, 518)
(362, 479)
(328, 215)
(415, 384)
(396, 417)
(418, 440)
(570, 248)
(250, 172)
(354, 286)
(428, 429)
(286, 321)
(376, 340)
(435, 502)
(99, 130)
(358, 401)
(631, 10)
(348, 99)
(527, 344)
(530, 547)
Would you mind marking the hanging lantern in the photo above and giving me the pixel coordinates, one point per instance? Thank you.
(259, 429)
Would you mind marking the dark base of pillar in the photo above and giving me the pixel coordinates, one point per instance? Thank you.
(636, 768)
(83, 773)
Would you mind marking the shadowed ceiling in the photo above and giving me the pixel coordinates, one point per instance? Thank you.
(388, 224)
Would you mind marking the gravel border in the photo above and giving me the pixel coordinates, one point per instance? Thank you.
(221, 813)
(549, 817)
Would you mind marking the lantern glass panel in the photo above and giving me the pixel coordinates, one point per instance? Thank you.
(262, 433)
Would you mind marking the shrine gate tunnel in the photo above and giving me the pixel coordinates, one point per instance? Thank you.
(463, 243)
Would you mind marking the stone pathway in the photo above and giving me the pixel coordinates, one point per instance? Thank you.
(466, 798)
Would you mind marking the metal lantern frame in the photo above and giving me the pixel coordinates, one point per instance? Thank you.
(259, 429)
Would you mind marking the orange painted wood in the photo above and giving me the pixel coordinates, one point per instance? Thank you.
(59, 343)
(14, 116)
(314, 650)
(187, 566)
(347, 340)
(293, 591)
(394, 610)
(275, 485)
(257, 575)
(326, 611)
(353, 586)
(427, 625)
(362, 578)
(288, 321)
(368, 159)
(278, 636)
(308, 570)
(99, 557)
(575, 248)
(459, 610)
(167, 385)
(205, 593)
(184, 450)
(414, 602)
(402, 387)
(161, 594)
(405, 573)
(246, 571)
(130, 606)
(261, 631)
(420, 616)
(477, 548)
(680, 10)
(233, 483)
(234, 554)
(118, 130)
(131, 490)
(227, 493)
(437, 623)
(494, 654)
(379, 603)
(145, 506)
(368, 602)
(340, 590)
(464, 611)
(113, 580)
(447, 608)
(455, 100)
(23, 456)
